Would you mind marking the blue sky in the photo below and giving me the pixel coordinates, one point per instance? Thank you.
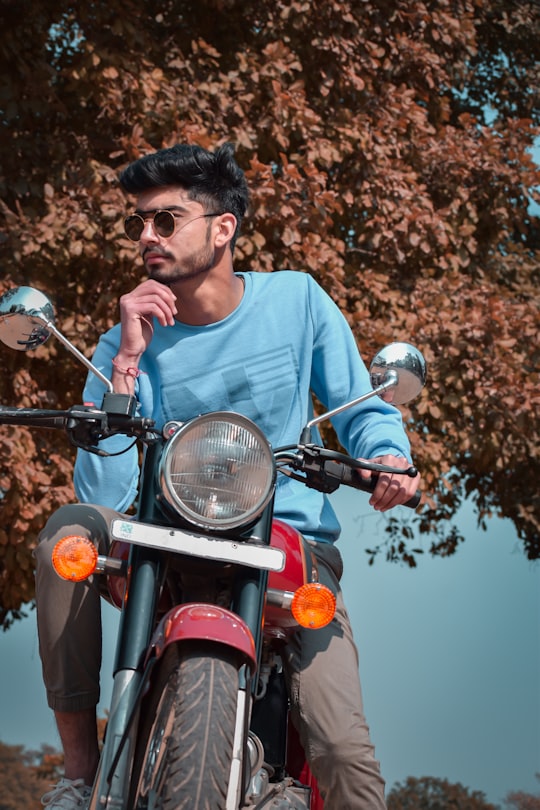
(449, 658)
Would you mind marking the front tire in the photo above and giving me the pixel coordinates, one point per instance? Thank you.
(185, 747)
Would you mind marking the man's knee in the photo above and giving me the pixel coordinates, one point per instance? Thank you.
(76, 518)
(72, 515)
(58, 524)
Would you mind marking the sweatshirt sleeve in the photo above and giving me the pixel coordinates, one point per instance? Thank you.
(108, 481)
(339, 375)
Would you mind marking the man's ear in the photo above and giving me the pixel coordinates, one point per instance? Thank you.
(224, 228)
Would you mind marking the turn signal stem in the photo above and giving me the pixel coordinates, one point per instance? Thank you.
(111, 565)
(280, 599)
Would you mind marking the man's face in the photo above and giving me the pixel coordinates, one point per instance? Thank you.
(189, 251)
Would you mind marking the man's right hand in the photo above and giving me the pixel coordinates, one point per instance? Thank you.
(137, 309)
(148, 300)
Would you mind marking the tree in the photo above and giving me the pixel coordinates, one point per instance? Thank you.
(362, 128)
(21, 785)
(25, 774)
(519, 800)
(428, 793)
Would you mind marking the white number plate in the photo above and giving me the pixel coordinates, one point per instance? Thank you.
(254, 555)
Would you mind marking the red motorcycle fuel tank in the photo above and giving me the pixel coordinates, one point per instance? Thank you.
(116, 585)
(297, 572)
(217, 624)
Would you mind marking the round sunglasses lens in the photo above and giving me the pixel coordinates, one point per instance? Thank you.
(164, 223)
(133, 227)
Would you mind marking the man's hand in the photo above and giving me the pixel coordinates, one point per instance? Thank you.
(137, 308)
(391, 489)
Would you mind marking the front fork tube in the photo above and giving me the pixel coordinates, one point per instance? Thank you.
(251, 585)
(248, 603)
(111, 786)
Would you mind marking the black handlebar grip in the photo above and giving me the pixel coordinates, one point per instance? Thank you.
(33, 417)
(352, 477)
(413, 502)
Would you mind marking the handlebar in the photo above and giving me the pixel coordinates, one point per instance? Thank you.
(85, 425)
(326, 470)
(351, 477)
(33, 417)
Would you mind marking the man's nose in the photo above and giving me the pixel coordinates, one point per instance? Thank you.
(149, 233)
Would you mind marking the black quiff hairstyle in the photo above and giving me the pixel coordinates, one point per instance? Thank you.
(214, 179)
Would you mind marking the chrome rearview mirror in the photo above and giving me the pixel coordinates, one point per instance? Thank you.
(27, 320)
(400, 367)
(398, 374)
(26, 317)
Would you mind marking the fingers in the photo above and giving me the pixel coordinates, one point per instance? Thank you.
(137, 309)
(392, 489)
(152, 300)
(388, 493)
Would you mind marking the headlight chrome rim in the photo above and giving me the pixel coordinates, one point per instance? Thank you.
(218, 471)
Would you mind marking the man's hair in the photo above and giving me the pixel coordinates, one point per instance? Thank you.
(214, 179)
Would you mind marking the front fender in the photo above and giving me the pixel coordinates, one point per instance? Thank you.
(199, 620)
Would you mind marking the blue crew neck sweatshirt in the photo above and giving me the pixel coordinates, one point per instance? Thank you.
(285, 340)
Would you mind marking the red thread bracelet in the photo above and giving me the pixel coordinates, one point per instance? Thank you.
(131, 371)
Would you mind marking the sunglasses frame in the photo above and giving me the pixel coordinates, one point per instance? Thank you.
(132, 218)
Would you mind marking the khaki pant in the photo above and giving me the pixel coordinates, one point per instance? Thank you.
(321, 665)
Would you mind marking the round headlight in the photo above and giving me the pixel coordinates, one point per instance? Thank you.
(218, 471)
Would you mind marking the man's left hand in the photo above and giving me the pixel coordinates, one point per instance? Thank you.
(391, 489)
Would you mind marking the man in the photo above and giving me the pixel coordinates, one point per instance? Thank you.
(195, 336)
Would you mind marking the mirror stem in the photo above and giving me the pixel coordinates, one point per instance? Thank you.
(390, 382)
(70, 347)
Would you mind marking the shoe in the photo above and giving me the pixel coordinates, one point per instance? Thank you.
(68, 794)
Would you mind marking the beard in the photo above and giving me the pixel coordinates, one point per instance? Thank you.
(198, 264)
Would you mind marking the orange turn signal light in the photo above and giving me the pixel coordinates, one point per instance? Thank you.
(74, 558)
(313, 605)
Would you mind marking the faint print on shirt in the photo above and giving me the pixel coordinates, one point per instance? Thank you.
(262, 387)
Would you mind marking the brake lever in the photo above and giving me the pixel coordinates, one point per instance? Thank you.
(324, 454)
(359, 464)
(326, 470)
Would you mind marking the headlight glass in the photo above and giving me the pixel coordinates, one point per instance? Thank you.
(218, 471)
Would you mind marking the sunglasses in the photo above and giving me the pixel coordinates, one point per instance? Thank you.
(163, 222)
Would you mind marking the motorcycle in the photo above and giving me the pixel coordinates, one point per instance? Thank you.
(210, 585)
